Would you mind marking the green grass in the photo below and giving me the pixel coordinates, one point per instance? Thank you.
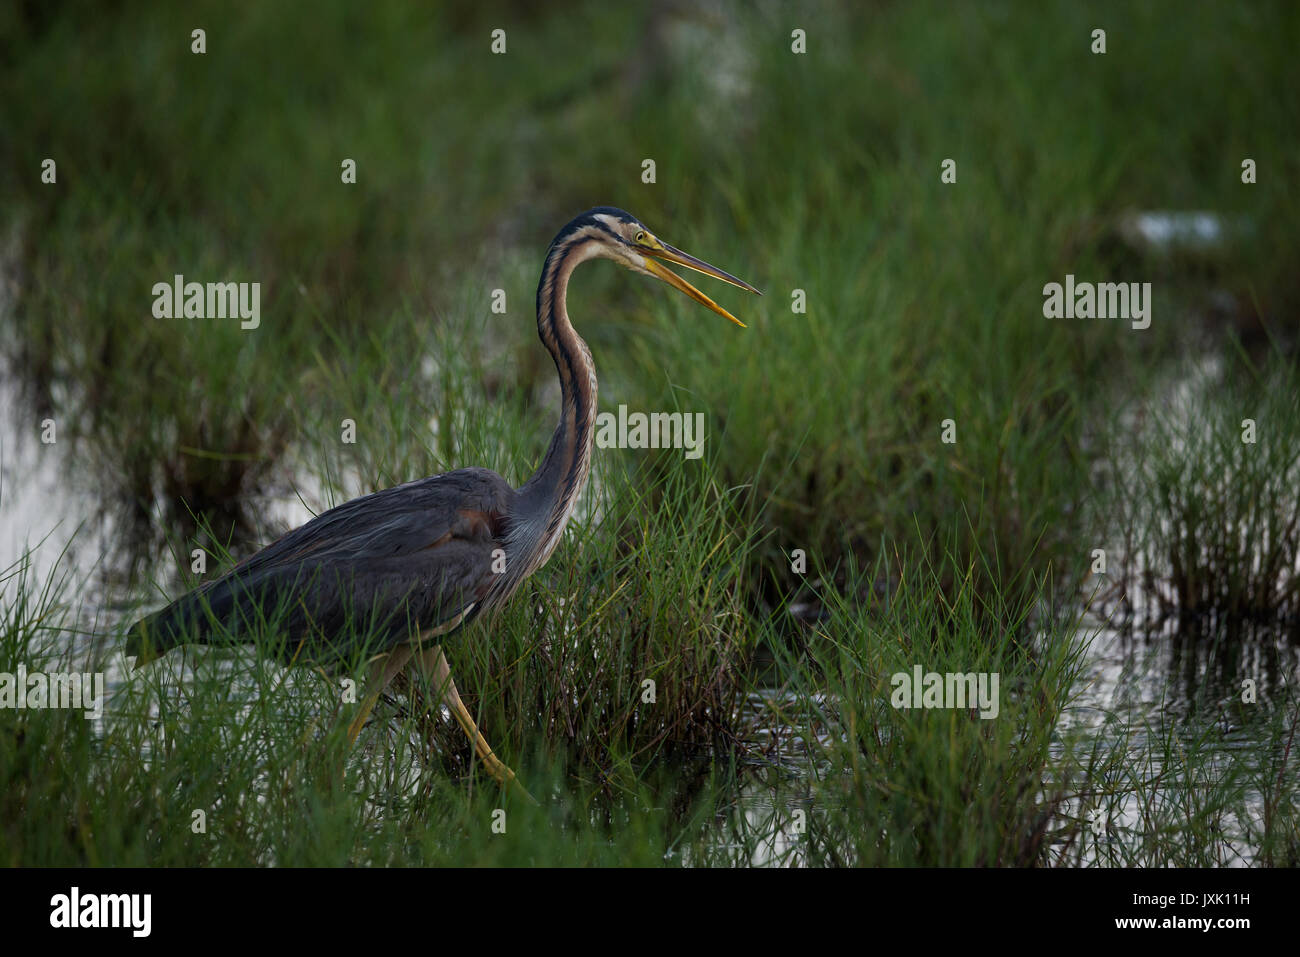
(692, 778)
(946, 787)
(910, 320)
(818, 173)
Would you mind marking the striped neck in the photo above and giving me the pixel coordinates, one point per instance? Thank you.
(547, 499)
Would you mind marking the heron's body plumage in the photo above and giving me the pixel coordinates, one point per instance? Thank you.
(379, 568)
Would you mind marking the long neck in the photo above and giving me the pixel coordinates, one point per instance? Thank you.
(547, 499)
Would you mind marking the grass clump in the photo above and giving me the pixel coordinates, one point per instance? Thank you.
(958, 784)
(1205, 501)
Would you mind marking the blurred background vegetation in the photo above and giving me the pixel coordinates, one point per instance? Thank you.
(817, 171)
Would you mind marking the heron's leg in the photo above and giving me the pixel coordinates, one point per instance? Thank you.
(382, 671)
(434, 663)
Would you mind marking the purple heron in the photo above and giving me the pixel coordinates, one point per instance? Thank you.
(412, 565)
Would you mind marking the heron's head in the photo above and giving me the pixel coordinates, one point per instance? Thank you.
(611, 233)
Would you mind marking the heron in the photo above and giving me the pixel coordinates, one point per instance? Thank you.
(412, 566)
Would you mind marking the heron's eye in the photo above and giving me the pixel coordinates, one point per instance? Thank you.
(640, 235)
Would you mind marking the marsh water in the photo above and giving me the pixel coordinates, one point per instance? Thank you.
(1136, 692)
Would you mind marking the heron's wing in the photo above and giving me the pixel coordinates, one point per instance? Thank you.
(374, 569)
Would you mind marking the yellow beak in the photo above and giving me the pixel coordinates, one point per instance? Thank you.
(670, 253)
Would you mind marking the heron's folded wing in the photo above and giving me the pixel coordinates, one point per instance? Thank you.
(372, 570)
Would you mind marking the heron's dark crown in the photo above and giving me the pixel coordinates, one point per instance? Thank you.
(591, 218)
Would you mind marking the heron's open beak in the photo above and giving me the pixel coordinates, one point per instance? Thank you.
(662, 250)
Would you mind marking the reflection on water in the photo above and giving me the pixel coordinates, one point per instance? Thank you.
(43, 514)
(1140, 725)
